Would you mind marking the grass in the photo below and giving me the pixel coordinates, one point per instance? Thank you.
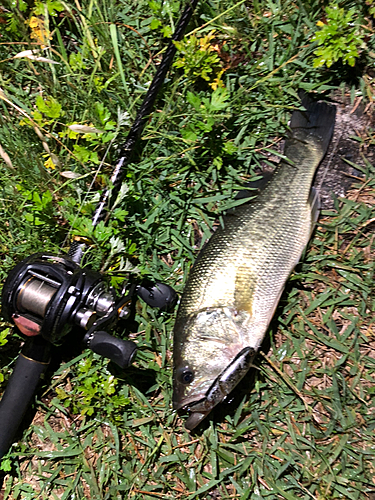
(302, 424)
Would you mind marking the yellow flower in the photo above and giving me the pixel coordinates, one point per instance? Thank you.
(217, 82)
(49, 164)
(39, 31)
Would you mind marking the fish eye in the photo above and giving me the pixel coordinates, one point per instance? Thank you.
(186, 376)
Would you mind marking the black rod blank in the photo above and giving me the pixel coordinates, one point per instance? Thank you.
(127, 149)
(78, 248)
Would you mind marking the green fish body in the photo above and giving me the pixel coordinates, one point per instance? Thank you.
(236, 282)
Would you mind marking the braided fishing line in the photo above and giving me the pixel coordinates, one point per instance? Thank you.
(88, 192)
(332, 155)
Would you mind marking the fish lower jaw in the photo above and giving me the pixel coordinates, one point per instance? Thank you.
(199, 408)
(185, 404)
(195, 419)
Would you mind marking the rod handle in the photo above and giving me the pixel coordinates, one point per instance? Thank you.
(30, 365)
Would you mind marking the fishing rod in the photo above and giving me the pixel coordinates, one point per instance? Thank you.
(46, 296)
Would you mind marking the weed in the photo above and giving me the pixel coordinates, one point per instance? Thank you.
(340, 37)
(200, 60)
(93, 392)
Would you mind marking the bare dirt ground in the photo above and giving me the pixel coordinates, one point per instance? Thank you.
(350, 143)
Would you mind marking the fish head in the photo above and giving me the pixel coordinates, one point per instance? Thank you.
(209, 361)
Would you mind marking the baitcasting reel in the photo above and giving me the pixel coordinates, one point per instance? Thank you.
(48, 295)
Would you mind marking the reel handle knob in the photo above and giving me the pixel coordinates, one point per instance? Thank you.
(158, 295)
(119, 351)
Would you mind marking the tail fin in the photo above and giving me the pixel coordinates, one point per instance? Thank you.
(317, 122)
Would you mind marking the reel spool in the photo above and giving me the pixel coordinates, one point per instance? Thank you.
(47, 295)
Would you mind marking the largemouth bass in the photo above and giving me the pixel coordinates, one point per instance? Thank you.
(236, 282)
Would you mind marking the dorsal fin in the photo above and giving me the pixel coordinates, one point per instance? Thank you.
(253, 188)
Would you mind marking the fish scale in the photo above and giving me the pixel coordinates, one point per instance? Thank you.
(236, 282)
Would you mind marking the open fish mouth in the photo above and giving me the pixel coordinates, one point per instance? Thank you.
(220, 388)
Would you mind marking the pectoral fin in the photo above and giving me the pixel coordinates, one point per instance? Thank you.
(244, 289)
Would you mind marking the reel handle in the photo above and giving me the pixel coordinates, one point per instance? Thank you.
(119, 351)
(30, 365)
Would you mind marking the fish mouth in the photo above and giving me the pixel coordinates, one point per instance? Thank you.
(220, 388)
(188, 402)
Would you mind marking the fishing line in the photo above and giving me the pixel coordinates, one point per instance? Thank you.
(97, 172)
(333, 154)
